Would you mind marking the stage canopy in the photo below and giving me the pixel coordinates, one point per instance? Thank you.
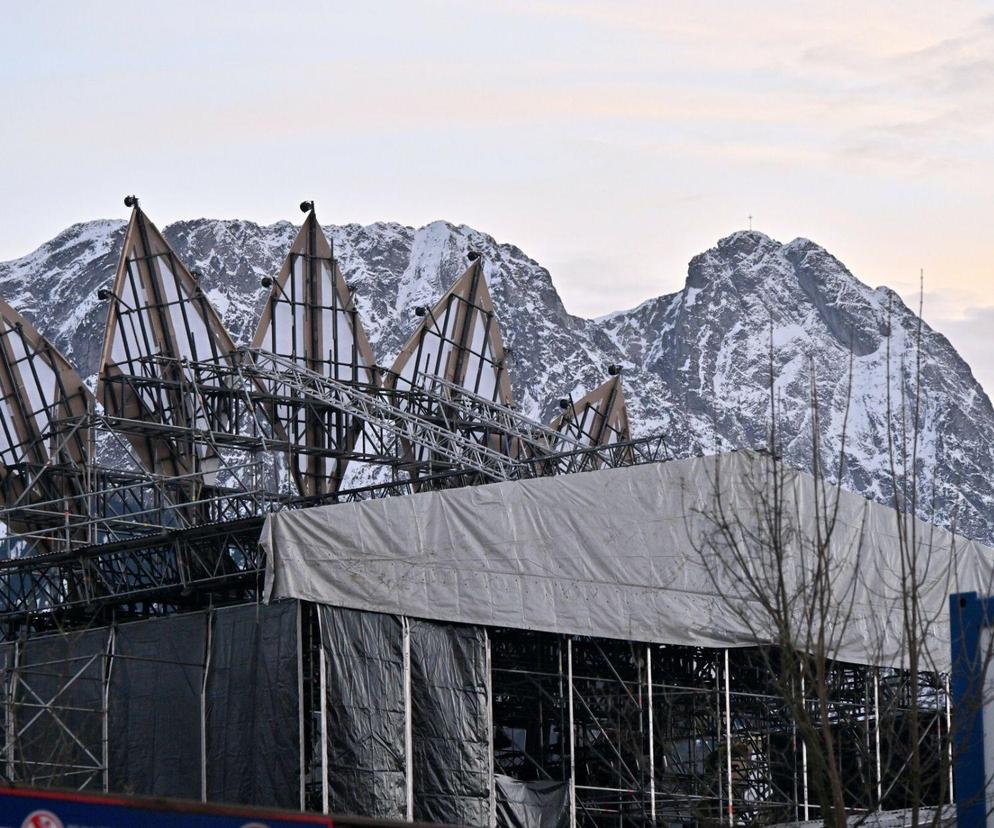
(638, 553)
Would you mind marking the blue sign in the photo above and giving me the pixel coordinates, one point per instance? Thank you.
(21, 808)
(969, 616)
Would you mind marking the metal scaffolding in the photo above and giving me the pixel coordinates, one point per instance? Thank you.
(612, 732)
(465, 439)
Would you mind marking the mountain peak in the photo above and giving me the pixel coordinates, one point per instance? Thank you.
(744, 237)
(696, 361)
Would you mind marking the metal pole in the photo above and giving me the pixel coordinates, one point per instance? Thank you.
(323, 683)
(804, 759)
(876, 733)
(203, 707)
(572, 735)
(11, 687)
(949, 736)
(108, 668)
(300, 698)
(728, 740)
(408, 721)
(652, 736)
(490, 731)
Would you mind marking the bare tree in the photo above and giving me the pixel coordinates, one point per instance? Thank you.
(799, 575)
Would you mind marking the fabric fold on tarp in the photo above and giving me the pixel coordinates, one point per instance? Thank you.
(364, 672)
(253, 706)
(629, 553)
(450, 724)
(154, 706)
(531, 804)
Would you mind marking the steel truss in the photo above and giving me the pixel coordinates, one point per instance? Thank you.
(247, 408)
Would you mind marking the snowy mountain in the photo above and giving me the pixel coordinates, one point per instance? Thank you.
(696, 361)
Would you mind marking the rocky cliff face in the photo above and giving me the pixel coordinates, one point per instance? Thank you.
(697, 362)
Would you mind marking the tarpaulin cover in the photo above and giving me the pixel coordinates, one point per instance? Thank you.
(450, 724)
(531, 804)
(154, 711)
(628, 553)
(252, 705)
(364, 663)
(60, 698)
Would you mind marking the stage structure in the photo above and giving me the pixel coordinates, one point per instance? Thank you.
(601, 700)
(188, 430)
(139, 653)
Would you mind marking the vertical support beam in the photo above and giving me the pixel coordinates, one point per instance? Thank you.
(718, 719)
(408, 721)
(90, 476)
(490, 731)
(572, 734)
(804, 758)
(203, 706)
(105, 717)
(949, 736)
(728, 740)
(876, 738)
(652, 735)
(323, 684)
(11, 693)
(301, 700)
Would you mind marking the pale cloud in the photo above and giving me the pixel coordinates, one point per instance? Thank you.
(588, 133)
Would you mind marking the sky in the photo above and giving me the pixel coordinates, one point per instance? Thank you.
(610, 141)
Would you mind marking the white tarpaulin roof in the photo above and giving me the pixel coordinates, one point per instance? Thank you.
(630, 553)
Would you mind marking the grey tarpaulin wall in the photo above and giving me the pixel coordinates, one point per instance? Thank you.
(59, 714)
(614, 553)
(253, 706)
(154, 716)
(366, 712)
(531, 804)
(450, 724)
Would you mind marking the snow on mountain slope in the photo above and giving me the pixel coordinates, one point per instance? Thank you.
(696, 362)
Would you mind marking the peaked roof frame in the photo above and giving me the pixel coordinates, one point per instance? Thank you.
(311, 318)
(159, 321)
(45, 441)
(458, 340)
(599, 418)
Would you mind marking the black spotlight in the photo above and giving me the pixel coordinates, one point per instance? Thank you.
(564, 404)
(306, 206)
(473, 255)
(420, 310)
(103, 294)
(614, 370)
(266, 282)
